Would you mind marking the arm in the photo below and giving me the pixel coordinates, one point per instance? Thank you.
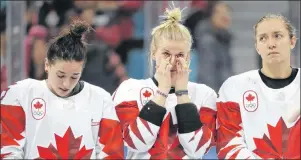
(230, 135)
(110, 142)
(197, 131)
(140, 128)
(12, 124)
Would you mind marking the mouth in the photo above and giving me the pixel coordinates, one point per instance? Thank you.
(173, 70)
(64, 90)
(273, 53)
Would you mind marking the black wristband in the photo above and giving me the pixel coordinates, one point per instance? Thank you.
(181, 92)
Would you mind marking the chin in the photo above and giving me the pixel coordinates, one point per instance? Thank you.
(62, 94)
(275, 60)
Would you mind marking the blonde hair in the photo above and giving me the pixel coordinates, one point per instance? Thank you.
(169, 29)
(290, 28)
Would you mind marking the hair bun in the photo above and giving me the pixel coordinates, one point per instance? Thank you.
(78, 28)
(173, 15)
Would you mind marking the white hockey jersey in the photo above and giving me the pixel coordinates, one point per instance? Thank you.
(35, 123)
(254, 121)
(146, 140)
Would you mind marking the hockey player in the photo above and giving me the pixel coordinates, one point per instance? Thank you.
(60, 117)
(166, 116)
(258, 112)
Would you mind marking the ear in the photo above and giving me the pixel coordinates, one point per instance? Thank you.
(47, 65)
(293, 42)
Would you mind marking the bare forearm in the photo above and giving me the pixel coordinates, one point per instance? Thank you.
(161, 96)
(183, 99)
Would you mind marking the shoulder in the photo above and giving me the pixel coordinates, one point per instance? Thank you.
(131, 85)
(202, 90)
(239, 79)
(25, 84)
(134, 90)
(200, 87)
(96, 91)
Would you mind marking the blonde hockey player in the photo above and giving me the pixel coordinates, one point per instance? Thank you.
(166, 116)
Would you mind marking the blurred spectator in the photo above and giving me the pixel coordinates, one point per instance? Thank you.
(103, 67)
(52, 13)
(213, 45)
(3, 66)
(198, 11)
(35, 51)
(3, 48)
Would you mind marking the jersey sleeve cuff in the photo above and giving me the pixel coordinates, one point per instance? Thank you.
(152, 113)
(188, 118)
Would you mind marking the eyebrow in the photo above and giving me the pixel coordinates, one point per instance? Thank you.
(65, 73)
(166, 50)
(265, 33)
(169, 51)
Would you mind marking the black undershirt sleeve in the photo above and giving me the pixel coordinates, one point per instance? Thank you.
(152, 113)
(188, 118)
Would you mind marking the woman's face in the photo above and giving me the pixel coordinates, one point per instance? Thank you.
(170, 49)
(63, 76)
(273, 42)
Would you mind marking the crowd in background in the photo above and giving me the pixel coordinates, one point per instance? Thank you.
(116, 33)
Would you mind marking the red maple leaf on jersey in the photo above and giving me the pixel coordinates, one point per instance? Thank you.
(250, 98)
(4, 155)
(284, 143)
(127, 113)
(12, 125)
(147, 94)
(167, 145)
(68, 147)
(38, 105)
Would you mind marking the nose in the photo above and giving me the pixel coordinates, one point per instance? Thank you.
(172, 60)
(271, 43)
(66, 84)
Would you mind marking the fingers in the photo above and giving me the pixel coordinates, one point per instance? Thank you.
(164, 66)
(179, 67)
(183, 63)
(182, 66)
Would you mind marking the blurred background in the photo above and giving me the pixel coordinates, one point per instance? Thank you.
(118, 50)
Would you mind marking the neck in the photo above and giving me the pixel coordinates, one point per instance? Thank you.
(277, 71)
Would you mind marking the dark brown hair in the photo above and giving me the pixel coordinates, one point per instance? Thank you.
(69, 45)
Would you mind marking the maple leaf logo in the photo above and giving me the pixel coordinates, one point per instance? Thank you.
(12, 125)
(167, 144)
(284, 143)
(250, 97)
(68, 147)
(147, 94)
(38, 105)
